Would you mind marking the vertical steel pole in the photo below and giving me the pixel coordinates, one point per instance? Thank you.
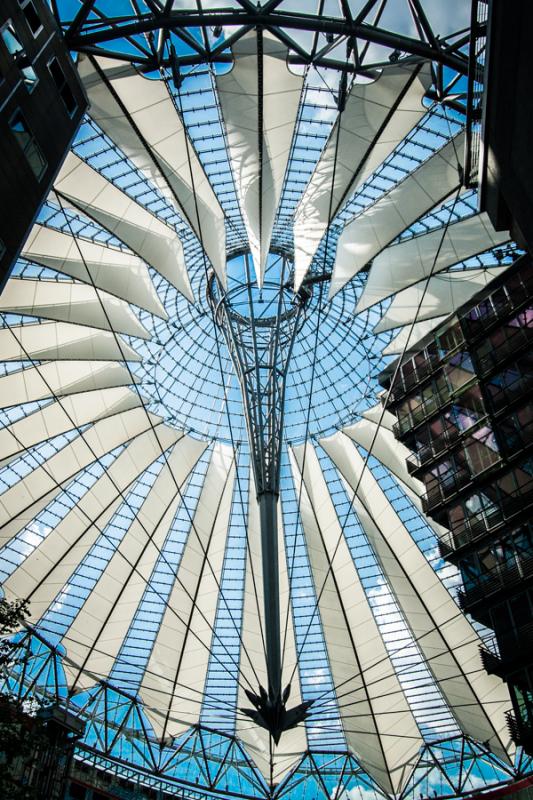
(268, 515)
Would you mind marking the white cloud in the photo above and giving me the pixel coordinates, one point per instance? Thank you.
(32, 536)
(357, 793)
(317, 676)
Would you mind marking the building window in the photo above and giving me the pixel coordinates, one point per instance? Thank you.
(15, 48)
(11, 40)
(29, 77)
(58, 76)
(28, 144)
(32, 17)
(523, 699)
(77, 792)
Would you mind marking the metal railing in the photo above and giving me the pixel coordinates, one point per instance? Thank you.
(504, 576)
(442, 491)
(476, 68)
(521, 731)
(520, 338)
(507, 648)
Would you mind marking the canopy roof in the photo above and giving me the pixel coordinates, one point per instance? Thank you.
(127, 508)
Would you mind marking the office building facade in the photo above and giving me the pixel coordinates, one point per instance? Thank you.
(463, 402)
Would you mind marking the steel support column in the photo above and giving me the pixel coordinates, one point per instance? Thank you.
(268, 515)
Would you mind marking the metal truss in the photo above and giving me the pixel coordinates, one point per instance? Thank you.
(152, 23)
(203, 763)
(118, 737)
(260, 348)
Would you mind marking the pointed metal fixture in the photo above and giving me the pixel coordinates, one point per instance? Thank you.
(274, 716)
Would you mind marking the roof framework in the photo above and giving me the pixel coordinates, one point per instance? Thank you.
(94, 25)
(128, 513)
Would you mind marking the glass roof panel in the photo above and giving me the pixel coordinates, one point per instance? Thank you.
(230, 385)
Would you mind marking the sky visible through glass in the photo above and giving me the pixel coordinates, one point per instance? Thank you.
(186, 376)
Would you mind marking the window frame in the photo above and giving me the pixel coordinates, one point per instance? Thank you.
(23, 6)
(32, 143)
(61, 88)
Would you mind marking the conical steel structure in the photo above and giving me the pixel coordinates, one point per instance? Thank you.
(230, 575)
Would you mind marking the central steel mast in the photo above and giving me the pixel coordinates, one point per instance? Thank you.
(260, 346)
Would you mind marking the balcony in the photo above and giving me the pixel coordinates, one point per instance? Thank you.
(442, 492)
(441, 398)
(516, 439)
(436, 447)
(499, 305)
(470, 530)
(501, 397)
(503, 578)
(492, 663)
(410, 419)
(446, 548)
(474, 527)
(496, 356)
(414, 462)
(513, 650)
(474, 328)
(402, 427)
(405, 383)
(521, 731)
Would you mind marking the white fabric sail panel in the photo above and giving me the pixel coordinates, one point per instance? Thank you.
(392, 454)
(478, 701)
(139, 115)
(377, 226)
(253, 667)
(62, 340)
(406, 263)
(252, 657)
(260, 118)
(148, 237)
(57, 378)
(44, 572)
(66, 301)
(173, 683)
(376, 118)
(377, 720)
(96, 441)
(95, 636)
(374, 414)
(122, 274)
(386, 448)
(447, 640)
(435, 297)
(70, 412)
(410, 335)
